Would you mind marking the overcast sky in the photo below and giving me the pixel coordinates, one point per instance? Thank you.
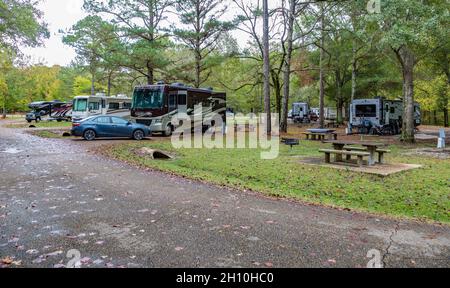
(62, 14)
(59, 14)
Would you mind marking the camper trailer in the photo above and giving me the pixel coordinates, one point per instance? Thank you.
(329, 113)
(87, 106)
(379, 114)
(300, 113)
(155, 105)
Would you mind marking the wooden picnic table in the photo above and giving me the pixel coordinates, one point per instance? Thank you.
(372, 148)
(320, 134)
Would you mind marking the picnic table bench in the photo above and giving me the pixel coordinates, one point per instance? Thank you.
(338, 155)
(367, 147)
(380, 152)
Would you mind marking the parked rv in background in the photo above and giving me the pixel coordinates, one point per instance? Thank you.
(302, 114)
(379, 116)
(155, 105)
(87, 106)
(329, 113)
(51, 110)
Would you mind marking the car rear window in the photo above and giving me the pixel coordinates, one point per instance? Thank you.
(119, 121)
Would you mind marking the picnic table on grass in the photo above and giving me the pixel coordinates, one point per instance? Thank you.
(360, 149)
(320, 134)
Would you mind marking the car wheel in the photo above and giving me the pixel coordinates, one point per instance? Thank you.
(168, 131)
(89, 135)
(29, 121)
(138, 135)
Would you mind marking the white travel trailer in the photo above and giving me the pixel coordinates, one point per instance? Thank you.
(379, 113)
(300, 112)
(87, 106)
(329, 113)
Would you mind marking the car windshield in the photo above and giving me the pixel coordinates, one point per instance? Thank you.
(80, 105)
(148, 98)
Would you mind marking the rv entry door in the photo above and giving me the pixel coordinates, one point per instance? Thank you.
(182, 102)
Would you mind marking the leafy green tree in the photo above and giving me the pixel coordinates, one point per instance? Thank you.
(407, 27)
(21, 24)
(139, 24)
(91, 37)
(200, 31)
(6, 63)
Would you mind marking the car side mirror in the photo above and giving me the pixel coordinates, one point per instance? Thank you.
(129, 123)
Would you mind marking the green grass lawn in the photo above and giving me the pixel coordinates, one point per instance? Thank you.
(421, 194)
(48, 134)
(43, 124)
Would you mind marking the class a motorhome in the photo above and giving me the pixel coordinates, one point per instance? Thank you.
(155, 105)
(54, 110)
(380, 112)
(87, 106)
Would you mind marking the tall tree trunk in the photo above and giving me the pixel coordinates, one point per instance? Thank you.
(266, 69)
(446, 124)
(277, 89)
(322, 76)
(198, 63)
(4, 106)
(339, 102)
(92, 82)
(446, 120)
(287, 67)
(408, 61)
(354, 67)
(109, 83)
(150, 77)
(198, 51)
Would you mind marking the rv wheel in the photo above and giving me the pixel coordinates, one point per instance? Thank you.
(138, 135)
(168, 131)
(89, 135)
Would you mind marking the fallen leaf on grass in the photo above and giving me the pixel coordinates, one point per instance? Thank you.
(56, 253)
(7, 260)
(32, 251)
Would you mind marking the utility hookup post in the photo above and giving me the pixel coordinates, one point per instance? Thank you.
(441, 140)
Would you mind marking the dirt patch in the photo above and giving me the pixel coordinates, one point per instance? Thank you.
(431, 153)
(378, 169)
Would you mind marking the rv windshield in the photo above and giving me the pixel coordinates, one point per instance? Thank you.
(366, 111)
(80, 105)
(148, 99)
